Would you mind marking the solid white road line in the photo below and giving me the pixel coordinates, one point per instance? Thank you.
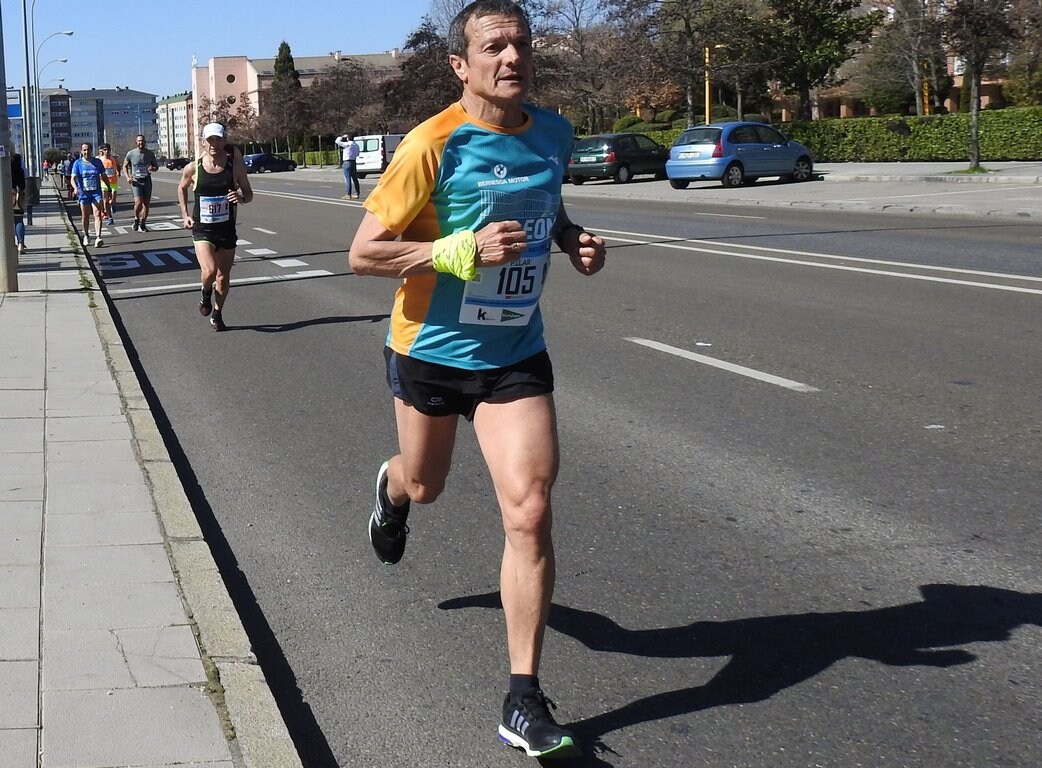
(265, 231)
(690, 245)
(741, 370)
(261, 251)
(289, 263)
(235, 281)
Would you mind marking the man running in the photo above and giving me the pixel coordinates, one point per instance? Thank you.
(466, 213)
(220, 184)
(111, 181)
(87, 180)
(138, 166)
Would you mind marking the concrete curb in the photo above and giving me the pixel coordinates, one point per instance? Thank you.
(946, 179)
(253, 724)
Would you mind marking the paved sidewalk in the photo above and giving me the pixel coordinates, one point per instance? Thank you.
(119, 644)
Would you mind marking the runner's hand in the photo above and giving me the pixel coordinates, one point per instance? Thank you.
(588, 258)
(500, 242)
(188, 223)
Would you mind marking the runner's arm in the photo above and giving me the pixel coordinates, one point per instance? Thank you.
(241, 178)
(187, 180)
(376, 251)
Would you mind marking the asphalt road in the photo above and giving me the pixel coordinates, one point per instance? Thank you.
(823, 553)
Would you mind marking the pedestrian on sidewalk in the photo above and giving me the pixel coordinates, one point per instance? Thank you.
(138, 166)
(220, 183)
(18, 201)
(350, 149)
(466, 213)
(87, 179)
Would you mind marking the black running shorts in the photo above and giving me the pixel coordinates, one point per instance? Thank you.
(440, 390)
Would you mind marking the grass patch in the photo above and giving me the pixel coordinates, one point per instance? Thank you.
(971, 171)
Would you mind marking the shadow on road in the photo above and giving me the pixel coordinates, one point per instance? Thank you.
(772, 653)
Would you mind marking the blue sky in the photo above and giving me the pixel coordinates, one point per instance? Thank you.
(148, 45)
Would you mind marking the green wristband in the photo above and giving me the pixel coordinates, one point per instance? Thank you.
(456, 255)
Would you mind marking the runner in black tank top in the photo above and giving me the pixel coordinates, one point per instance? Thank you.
(213, 213)
(220, 184)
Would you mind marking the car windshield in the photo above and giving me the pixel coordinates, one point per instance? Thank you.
(704, 135)
(592, 144)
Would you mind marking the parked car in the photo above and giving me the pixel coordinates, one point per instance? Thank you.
(618, 156)
(265, 161)
(177, 163)
(736, 153)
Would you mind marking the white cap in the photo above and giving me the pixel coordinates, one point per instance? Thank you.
(213, 129)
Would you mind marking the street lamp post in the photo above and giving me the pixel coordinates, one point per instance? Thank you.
(36, 82)
(39, 101)
(708, 82)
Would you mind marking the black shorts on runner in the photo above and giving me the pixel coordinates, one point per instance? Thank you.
(224, 240)
(441, 390)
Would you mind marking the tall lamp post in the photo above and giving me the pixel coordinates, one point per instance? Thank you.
(39, 102)
(708, 83)
(36, 84)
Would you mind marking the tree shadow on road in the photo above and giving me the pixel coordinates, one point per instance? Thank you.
(771, 653)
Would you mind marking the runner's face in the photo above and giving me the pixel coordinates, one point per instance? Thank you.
(498, 67)
(85, 150)
(213, 144)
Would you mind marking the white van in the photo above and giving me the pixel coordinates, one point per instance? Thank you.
(375, 152)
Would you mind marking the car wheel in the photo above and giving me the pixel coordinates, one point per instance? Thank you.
(260, 169)
(679, 183)
(661, 176)
(362, 175)
(577, 180)
(803, 170)
(622, 174)
(733, 176)
(293, 166)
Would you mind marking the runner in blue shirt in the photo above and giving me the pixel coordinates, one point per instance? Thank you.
(87, 174)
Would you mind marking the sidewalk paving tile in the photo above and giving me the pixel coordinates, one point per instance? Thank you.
(20, 586)
(100, 471)
(21, 403)
(93, 497)
(19, 694)
(21, 488)
(87, 428)
(136, 726)
(81, 607)
(87, 450)
(18, 748)
(19, 634)
(106, 565)
(23, 435)
(103, 529)
(148, 657)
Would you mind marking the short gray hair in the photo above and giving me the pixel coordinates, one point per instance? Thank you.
(457, 39)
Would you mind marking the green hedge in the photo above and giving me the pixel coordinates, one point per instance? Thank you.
(1005, 134)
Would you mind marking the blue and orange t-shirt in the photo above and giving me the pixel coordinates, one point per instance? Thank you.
(453, 173)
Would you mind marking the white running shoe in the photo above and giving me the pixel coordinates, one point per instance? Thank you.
(86, 240)
(98, 243)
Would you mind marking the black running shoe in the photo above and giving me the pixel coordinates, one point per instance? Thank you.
(205, 304)
(142, 228)
(217, 322)
(387, 528)
(137, 225)
(528, 725)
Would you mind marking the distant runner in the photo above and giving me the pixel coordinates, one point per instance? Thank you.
(138, 167)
